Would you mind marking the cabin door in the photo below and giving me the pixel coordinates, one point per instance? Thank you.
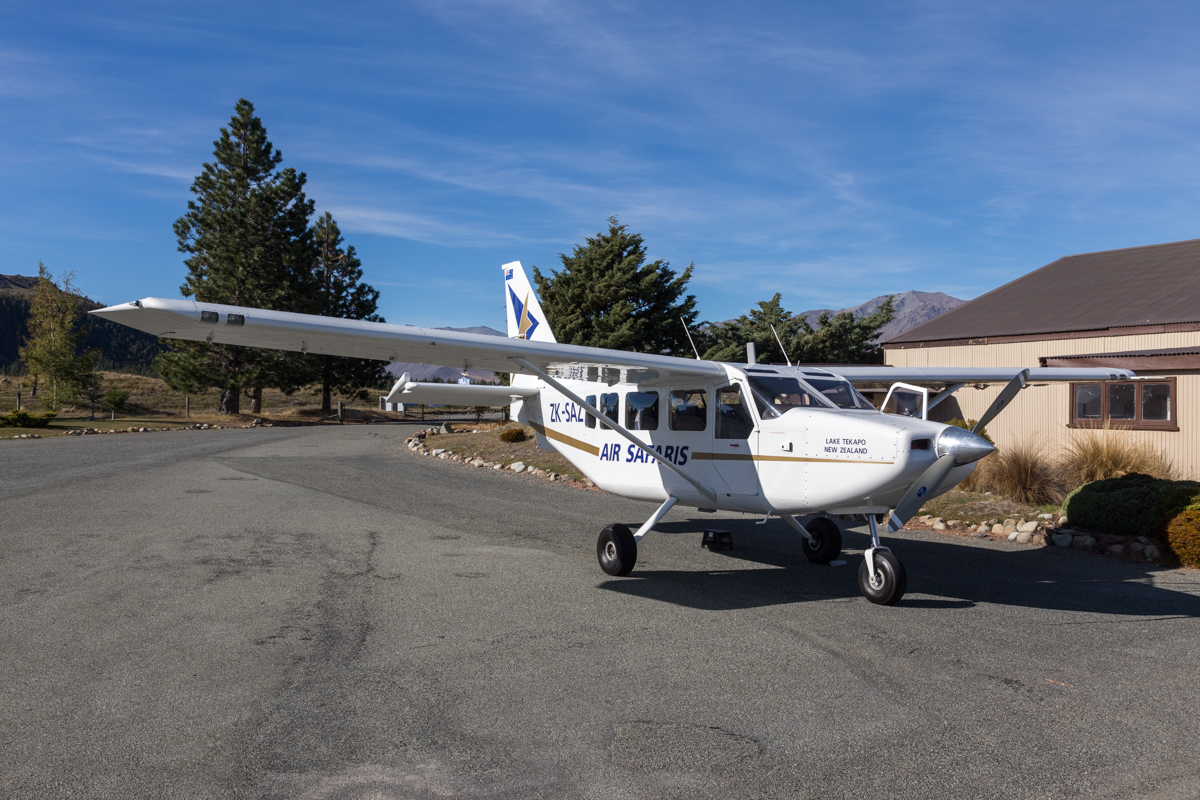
(735, 440)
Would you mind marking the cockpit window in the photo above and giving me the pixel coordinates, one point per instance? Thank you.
(778, 395)
(840, 393)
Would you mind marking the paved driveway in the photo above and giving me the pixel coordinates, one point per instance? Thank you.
(309, 613)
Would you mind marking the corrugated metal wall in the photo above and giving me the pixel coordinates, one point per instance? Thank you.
(1040, 413)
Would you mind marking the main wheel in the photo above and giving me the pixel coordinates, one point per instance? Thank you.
(828, 539)
(617, 550)
(890, 582)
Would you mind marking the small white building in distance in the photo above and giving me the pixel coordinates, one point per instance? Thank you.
(1137, 309)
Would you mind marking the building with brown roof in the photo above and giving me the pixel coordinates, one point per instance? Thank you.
(1136, 308)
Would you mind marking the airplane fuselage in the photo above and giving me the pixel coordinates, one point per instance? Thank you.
(752, 455)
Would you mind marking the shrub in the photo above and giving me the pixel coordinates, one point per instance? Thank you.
(1183, 536)
(1102, 454)
(1132, 505)
(23, 419)
(513, 435)
(1019, 472)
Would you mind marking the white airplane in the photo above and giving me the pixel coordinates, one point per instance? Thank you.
(778, 441)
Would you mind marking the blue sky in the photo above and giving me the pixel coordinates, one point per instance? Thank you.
(830, 152)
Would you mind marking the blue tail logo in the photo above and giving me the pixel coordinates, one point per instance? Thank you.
(526, 322)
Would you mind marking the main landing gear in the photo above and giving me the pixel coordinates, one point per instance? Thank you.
(616, 549)
(881, 578)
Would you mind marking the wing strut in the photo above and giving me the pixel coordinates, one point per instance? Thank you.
(541, 373)
(1005, 396)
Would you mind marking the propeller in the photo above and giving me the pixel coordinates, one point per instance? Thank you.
(955, 447)
(924, 487)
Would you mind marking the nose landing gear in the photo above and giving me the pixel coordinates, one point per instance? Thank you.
(881, 578)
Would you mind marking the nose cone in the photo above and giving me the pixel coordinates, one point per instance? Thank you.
(964, 446)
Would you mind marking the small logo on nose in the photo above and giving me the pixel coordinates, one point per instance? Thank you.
(921, 492)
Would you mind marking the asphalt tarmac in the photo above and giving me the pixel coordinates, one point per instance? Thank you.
(314, 613)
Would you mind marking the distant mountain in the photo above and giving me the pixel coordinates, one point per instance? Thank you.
(912, 309)
(122, 349)
(18, 284)
(427, 372)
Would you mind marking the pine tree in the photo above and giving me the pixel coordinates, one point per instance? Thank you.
(727, 342)
(606, 295)
(836, 339)
(248, 240)
(56, 330)
(340, 293)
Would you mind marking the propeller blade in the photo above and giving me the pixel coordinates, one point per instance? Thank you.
(925, 487)
(1005, 396)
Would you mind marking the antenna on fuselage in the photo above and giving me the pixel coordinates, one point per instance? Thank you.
(781, 348)
(689, 335)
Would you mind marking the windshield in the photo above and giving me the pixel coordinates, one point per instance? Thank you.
(778, 395)
(840, 393)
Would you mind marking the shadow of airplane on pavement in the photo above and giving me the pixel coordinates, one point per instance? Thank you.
(943, 572)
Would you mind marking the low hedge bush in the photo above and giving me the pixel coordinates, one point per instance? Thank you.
(1141, 505)
(1183, 536)
(513, 435)
(23, 419)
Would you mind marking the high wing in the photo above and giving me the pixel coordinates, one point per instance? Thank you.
(886, 374)
(281, 330)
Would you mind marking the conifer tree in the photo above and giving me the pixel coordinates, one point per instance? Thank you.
(836, 339)
(248, 243)
(606, 295)
(57, 328)
(340, 293)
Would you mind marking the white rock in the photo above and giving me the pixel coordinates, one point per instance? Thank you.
(1062, 521)
(998, 529)
(1136, 547)
(1028, 527)
(938, 525)
(1152, 552)
(1084, 542)
(1012, 536)
(438, 452)
(1024, 538)
(517, 466)
(983, 528)
(497, 466)
(1062, 539)
(1045, 516)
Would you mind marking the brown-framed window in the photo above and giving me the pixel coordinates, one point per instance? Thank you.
(1142, 404)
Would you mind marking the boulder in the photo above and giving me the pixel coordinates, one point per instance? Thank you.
(1012, 536)
(998, 529)
(1152, 552)
(1024, 537)
(1084, 542)
(1062, 539)
(938, 524)
(1028, 527)
(1136, 547)
(1116, 549)
(437, 452)
(1036, 540)
(446, 428)
(517, 466)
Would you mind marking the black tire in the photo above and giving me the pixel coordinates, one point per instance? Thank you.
(828, 538)
(616, 550)
(893, 580)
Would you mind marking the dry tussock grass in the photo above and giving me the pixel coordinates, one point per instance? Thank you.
(1025, 473)
(1104, 453)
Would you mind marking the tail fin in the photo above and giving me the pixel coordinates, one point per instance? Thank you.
(525, 317)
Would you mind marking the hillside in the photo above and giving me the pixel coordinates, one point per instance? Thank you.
(18, 284)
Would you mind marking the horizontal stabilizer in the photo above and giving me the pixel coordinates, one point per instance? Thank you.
(460, 394)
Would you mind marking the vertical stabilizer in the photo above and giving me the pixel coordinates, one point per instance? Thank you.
(525, 317)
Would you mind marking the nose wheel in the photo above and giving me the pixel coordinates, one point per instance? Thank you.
(616, 549)
(889, 581)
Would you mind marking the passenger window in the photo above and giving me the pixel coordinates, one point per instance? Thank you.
(610, 406)
(641, 411)
(689, 410)
(590, 421)
(733, 418)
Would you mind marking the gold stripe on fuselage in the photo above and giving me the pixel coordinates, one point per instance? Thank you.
(558, 436)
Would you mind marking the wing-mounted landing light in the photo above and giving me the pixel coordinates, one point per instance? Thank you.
(955, 448)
